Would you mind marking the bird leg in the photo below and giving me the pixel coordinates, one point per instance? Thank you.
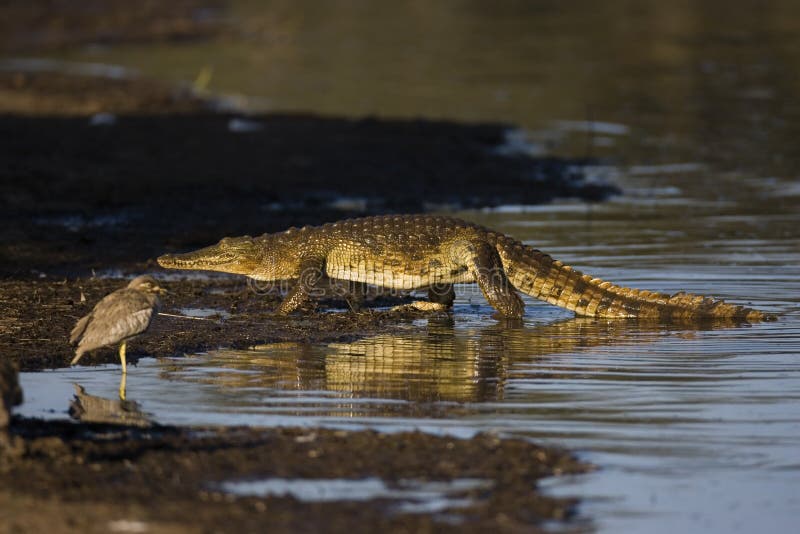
(123, 380)
(122, 357)
(122, 383)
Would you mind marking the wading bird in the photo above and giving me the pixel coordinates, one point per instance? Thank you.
(117, 318)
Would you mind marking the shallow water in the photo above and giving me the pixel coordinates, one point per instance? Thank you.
(690, 106)
(409, 496)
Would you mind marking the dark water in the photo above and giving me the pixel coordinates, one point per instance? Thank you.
(692, 108)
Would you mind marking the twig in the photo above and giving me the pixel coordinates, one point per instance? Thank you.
(188, 317)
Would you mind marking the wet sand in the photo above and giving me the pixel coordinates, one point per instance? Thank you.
(104, 174)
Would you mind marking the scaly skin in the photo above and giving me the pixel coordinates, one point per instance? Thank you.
(423, 251)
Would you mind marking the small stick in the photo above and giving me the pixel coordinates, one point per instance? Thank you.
(187, 317)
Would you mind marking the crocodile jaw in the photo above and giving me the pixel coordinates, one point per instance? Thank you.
(238, 259)
(194, 261)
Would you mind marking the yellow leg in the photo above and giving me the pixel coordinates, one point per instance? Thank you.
(122, 357)
(122, 384)
(123, 380)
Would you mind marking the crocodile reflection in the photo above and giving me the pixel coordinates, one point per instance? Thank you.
(439, 363)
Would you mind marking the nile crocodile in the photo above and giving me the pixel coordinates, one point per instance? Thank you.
(424, 251)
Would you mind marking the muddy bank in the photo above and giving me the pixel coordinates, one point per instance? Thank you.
(73, 91)
(85, 477)
(48, 25)
(39, 314)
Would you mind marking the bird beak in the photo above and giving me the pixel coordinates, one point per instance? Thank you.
(162, 291)
(75, 360)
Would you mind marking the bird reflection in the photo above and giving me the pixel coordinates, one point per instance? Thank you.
(93, 409)
(440, 363)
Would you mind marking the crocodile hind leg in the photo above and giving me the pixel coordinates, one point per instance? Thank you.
(484, 263)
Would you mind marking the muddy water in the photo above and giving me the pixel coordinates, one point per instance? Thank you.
(691, 107)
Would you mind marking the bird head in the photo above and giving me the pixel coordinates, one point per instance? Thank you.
(147, 284)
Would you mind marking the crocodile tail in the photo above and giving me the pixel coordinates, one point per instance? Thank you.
(538, 275)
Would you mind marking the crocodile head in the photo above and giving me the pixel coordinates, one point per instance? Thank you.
(236, 255)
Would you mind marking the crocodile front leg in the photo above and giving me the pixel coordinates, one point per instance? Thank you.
(311, 272)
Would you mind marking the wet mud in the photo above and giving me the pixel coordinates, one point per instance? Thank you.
(39, 315)
(85, 477)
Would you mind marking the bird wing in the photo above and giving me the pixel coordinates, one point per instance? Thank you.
(80, 327)
(118, 316)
